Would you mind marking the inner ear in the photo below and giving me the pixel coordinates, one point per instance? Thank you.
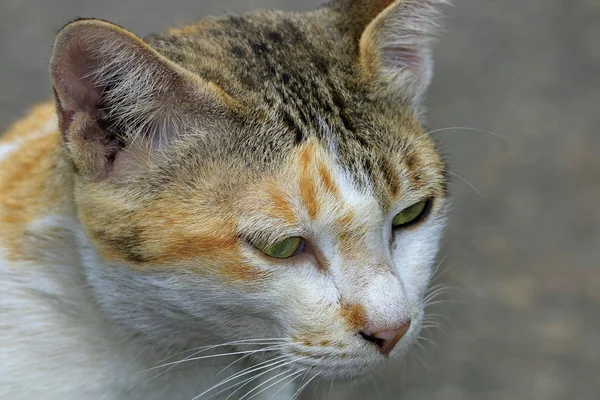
(92, 145)
(395, 45)
(86, 121)
(115, 93)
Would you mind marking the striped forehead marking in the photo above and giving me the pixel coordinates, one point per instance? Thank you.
(308, 187)
(317, 179)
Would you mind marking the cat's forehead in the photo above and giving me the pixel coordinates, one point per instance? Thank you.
(277, 65)
(297, 84)
(273, 54)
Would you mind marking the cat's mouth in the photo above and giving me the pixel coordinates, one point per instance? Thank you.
(349, 359)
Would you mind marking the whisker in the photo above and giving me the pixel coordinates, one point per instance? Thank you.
(214, 346)
(423, 349)
(420, 360)
(257, 367)
(433, 320)
(438, 291)
(271, 385)
(468, 183)
(297, 373)
(316, 388)
(437, 269)
(295, 396)
(440, 270)
(432, 317)
(330, 387)
(427, 305)
(374, 382)
(248, 355)
(302, 380)
(435, 288)
(465, 128)
(263, 373)
(413, 360)
(428, 340)
(435, 326)
(242, 383)
(431, 324)
(189, 358)
(235, 353)
(271, 365)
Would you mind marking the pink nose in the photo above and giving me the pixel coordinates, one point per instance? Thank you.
(386, 340)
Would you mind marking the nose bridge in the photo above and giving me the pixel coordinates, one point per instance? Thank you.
(371, 282)
(386, 301)
(349, 223)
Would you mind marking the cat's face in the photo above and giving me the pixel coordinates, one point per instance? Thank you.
(256, 177)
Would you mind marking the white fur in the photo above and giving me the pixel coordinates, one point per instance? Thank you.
(56, 344)
(6, 149)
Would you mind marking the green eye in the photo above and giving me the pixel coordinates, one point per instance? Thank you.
(410, 214)
(285, 249)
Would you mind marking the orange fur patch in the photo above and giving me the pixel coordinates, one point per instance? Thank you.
(344, 222)
(310, 339)
(29, 184)
(31, 124)
(328, 183)
(164, 234)
(350, 236)
(350, 244)
(308, 189)
(209, 248)
(355, 316)
(281, 208)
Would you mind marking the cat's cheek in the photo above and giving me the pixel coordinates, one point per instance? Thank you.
(414, 254)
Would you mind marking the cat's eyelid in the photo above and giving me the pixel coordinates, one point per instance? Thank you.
(264, 229)
(270, 238)
(412, 198)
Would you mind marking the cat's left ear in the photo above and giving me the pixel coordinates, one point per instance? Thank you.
(119, 100)
(395, 45)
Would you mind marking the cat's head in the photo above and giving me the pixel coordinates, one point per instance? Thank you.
(259, 176)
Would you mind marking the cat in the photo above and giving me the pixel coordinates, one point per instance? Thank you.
(254, 194)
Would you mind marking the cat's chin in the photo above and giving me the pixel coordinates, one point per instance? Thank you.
(351, 367)
(351, 370)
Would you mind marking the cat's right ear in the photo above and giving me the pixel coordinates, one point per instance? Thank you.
(118, 99)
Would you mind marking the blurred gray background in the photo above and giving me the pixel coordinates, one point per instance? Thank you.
(525, 318)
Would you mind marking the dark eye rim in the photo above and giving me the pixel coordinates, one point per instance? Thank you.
(421, 217)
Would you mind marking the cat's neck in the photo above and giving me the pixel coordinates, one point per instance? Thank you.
(35, 188)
